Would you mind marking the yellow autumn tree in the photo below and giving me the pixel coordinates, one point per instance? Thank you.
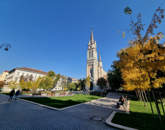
(143, 66)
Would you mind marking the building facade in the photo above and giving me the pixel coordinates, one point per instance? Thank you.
(94, 64)
(3, 76)
(27, 73)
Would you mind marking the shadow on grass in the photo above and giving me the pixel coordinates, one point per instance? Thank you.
(140, 121)
(55, 102)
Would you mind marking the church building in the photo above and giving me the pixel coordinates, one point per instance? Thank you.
(94, 64)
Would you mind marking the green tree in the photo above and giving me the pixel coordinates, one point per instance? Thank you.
(23, 85)
(82, 84)
(114, 77)
(13, 85)
(102, 83)
(34, 85)
(51, 74)
(72, 86)
(46, 83)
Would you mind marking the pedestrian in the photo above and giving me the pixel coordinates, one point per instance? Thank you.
(17, 94)
(11, 94)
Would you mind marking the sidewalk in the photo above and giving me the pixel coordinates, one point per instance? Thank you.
(22, 115)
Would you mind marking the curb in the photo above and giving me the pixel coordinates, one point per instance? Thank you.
(109, 122)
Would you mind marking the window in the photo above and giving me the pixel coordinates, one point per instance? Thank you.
(90, 54)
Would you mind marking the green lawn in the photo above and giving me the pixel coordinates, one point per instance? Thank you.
(140, 117)
(61, 102)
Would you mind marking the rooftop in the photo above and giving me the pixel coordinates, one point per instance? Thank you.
(29, 69)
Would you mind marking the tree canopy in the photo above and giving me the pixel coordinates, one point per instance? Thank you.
(141, 65)
(46, 83)
(102, 83)
(114, 77)
(51, 74)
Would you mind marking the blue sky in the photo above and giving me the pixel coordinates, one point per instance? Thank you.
(54, 34)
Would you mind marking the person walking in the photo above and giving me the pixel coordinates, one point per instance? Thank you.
(11, 94)
(17, 94)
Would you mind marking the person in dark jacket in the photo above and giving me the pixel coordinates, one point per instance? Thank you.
(17, 94)
(121, 101)
(11, 94)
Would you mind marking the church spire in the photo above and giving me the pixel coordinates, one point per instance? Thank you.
(92, 39)
(99, 57)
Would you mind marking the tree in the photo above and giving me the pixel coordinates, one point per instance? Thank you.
(102, 83)
(34, 85)
(114, 77)
(82, 84)
(23, 85)
(51, 74)
(142, 62)
(141, 65)
(1, 85)
(72, 86)
(13, 85)
(46, 83)
(30, 85)
(58, 76)
(87, 82)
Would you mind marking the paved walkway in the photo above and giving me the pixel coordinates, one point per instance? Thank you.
(22, 115)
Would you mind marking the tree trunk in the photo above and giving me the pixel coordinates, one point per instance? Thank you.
(137, 94)
(141, 92)
(161, 102)
(149, 97)
(145, 96)
(156, 103)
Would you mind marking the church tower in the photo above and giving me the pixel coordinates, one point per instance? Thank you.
(92, 62)
(94, 66)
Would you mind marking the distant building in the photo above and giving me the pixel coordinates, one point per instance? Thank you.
(26, 73)
(3, 76)
(63, 81)
(94, 64)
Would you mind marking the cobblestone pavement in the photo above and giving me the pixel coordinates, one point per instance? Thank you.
(22, 115)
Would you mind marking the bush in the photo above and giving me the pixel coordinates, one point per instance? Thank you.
(98, 93)
(36, 93)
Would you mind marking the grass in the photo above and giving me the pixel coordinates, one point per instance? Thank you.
(61, 102)
(140, 117)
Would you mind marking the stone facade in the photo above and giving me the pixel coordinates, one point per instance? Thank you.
(94, 64)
